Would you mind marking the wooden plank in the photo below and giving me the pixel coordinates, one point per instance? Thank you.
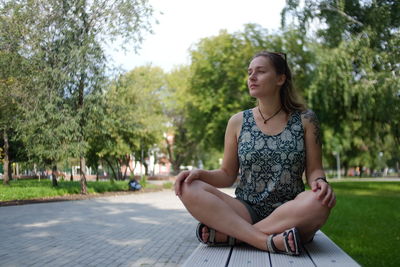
(247, 256)
(321, 252)
(208, 256)
(325, 253)
(282, 260)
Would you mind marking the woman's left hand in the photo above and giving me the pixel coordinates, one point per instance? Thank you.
(326, 194)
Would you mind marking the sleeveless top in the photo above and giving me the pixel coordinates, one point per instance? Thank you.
(271, 166)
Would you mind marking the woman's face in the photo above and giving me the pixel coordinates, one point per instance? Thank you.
(263, 80)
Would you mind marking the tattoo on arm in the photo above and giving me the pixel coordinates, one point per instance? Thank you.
(312, 117)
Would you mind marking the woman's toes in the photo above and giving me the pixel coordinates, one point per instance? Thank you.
(205, 234)
(291, 242)
(279, 242)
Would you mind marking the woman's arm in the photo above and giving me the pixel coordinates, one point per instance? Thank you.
(227, 174)
(314, 171)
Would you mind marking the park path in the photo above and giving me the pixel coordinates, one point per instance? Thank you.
(145, 229)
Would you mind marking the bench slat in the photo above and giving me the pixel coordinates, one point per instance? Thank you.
(208, 256)
(289, 261)
(321, 252)
(326, 253)
(249, 257)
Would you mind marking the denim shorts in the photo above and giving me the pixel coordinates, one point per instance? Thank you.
(254, 216)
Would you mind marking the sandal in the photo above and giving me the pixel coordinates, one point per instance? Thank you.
(296, 237)
(211, 238)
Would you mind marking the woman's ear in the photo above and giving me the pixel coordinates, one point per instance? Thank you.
(281, 79)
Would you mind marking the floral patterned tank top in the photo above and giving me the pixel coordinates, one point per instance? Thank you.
(271, 166)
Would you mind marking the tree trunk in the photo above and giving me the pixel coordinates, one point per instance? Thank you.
(6, 161)
(171, 156)
(127, 158)
(54, 175)
(119, 163)
(346, 168)
(146, 168)
(10, 171)
(175, 167)
(398, 168)
(83, 176)
(112, 169)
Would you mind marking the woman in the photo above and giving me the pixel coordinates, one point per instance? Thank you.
(272, 145)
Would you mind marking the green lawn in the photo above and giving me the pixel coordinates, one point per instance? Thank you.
(32, 188)
(366, 221)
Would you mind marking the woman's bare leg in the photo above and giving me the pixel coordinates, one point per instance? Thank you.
(304, 212)
(221, 212)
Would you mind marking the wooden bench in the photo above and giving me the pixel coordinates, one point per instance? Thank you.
(320, 252)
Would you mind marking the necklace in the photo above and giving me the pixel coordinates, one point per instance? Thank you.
(267, 119)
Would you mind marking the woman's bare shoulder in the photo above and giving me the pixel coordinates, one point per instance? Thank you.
(235, 124)
(236, 119)
(309, 117)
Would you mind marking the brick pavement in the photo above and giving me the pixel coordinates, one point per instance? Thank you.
(151, 229)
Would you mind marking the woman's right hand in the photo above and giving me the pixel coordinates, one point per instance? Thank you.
(185, 177)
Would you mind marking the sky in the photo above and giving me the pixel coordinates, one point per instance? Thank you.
(184, 22)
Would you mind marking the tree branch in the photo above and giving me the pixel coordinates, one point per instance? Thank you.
(343, 14)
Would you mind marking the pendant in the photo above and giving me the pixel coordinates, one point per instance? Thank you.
(265, 121)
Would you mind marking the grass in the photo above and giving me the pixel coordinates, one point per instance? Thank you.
(365, 221)
(32, 188)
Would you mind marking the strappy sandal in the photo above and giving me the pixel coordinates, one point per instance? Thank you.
(211, 238)
(296, 237)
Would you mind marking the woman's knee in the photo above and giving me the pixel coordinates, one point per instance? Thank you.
(191, 192)
(313, 205)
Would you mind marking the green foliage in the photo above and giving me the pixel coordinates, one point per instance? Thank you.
(217, 85)
(353, 83)
(344, 19)
(132, 121)
(143, 181)
(372, 222)
(53, 70)
(176, 101)
(168, 185)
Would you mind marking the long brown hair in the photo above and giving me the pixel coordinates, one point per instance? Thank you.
(290, 99)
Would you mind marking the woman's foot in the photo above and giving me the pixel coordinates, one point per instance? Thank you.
(278, 239)
(286, 243)
(219, 237)
(211, 237)
(279, 242)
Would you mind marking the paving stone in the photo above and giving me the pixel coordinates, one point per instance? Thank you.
(128, 230)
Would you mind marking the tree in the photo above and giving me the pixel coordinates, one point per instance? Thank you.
(89, 24)
(176, 101)
(133, 122)
(63, 40)
(217, 85)
(342, 20)
(14, 77)
(353, 82)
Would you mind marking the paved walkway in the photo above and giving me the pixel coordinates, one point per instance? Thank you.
(151, 229)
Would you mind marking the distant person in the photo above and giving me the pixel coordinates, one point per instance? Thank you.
(270, 146)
